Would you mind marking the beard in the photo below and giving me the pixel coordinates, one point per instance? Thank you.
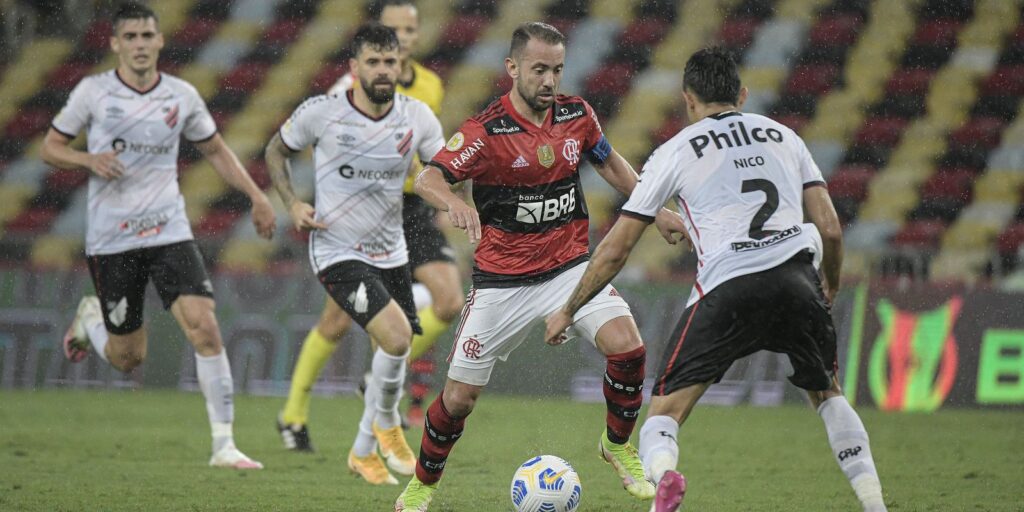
(533, 100)
(379, 95)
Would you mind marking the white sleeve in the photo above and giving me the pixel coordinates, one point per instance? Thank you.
(658, 182)
(77, 112)
(199, 124)
(342, 85)
(810, 174)
(298, 132)
(433, 138)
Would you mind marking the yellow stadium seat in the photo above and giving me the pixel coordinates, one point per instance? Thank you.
(962, 265)
(999, 187)
(56, 252)
(246, 255)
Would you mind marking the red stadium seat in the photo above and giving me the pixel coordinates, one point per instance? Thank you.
(910, 81)
(97, 36)
(920, 233)
(795, 122)
(952, 184)
(983, 131)
(644, 32)
(814, 79)
(668, 129)
(195, 32)
(216, 222)
(32, 220)
(284, 31)
(1005, 81)
(612, 79)
(66, 179)
(463, 31)
(257, 168)
(327, 76)
(65, 77)
(881, 131)
(738, 32)
(28, 122)
(245, 77)
(851, 181)
(940, 32)
(1011, 239)
(841, 30)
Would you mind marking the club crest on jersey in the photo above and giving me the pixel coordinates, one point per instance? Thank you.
(546, 155)
(455, 143)
(571, 151)
(171, 116)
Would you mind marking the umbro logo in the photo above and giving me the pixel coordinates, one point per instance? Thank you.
(520, 163)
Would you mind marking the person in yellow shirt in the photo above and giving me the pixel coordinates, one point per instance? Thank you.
(430, 257)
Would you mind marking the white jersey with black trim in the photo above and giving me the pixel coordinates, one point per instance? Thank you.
(361, 163)
(143, 208)
(738, 180)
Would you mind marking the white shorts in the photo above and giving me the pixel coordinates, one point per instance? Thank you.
(496, 320)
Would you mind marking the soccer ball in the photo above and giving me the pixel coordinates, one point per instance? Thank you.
(546, 484)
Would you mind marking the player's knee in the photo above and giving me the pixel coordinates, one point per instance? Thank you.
(396, 339)
(460, 400)
(126, 359)
(333, 327)
(204, 333)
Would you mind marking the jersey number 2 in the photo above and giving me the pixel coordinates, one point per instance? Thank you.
(771, 203)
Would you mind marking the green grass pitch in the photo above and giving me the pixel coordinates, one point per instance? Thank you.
(147, 450)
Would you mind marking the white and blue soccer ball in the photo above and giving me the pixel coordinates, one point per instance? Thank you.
(546, 484)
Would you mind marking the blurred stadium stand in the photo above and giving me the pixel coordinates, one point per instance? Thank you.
(908, 106)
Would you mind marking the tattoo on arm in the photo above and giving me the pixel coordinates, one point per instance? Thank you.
(280, 169)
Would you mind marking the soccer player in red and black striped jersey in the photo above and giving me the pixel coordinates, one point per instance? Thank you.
(523, 153)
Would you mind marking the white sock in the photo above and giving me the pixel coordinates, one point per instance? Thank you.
(659, 450)
(366, 443)
(98, 337)
(388, 377)
(218, 388)
(849, 441)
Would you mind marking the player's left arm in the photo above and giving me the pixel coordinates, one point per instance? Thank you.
(231, 170)
(607, 261)
(620, 175)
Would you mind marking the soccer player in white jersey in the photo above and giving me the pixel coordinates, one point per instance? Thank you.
(743, 183)
(135, 117)
(364, 141)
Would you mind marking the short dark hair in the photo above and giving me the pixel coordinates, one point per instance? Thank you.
(531, 30)
(376, 8)
(376, 36)
(712, 75)
(132, 11)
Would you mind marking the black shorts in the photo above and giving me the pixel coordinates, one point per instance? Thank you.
(782, 310)
(425, 241)
(120, 280)
(363, 290)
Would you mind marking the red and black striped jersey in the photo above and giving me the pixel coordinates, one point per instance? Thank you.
(526, 187)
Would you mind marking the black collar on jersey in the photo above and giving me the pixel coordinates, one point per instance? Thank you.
(352, 102)
(159, 78)
(506, 100)
(722, 115)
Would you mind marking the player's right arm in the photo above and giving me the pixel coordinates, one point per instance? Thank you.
(462, 158)
(432, 187)
(57, 151)
(818, 208)
(290, 139)
(73, 118)
(278, 157)
(822, 213)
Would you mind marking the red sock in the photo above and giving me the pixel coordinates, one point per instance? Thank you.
(623, 392)
(440, 432)
(420, 372)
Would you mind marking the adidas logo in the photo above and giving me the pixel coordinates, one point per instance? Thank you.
(520, 162)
